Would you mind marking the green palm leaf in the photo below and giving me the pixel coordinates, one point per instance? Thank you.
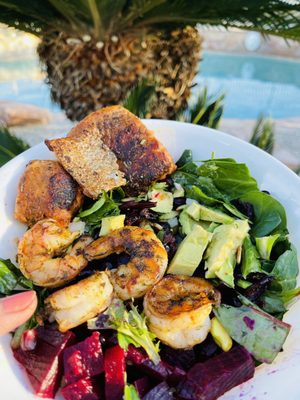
(105, 17)
(263, 135)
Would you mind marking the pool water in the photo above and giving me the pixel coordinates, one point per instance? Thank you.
(253, 84)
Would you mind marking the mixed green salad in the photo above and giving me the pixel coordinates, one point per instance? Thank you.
(215, 223)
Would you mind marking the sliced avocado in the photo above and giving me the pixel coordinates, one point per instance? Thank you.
(190, 252)
(187, 223)
(221, 252)
(163, 200)
(200, 212)
(109, 224)
(212, 226)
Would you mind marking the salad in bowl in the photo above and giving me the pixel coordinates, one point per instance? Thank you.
(156, 279)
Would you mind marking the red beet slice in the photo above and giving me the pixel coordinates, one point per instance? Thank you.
(209, 380)
(43, 364)
(115, 369)
(160, 392)
(84, 389)
(161, 371)
(181, 358)
(84, 359)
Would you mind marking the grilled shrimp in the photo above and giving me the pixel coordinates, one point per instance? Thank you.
(41, 254)
(147, 264)
(75, 304)
(178, 309)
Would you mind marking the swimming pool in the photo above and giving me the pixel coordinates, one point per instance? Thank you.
(252, 84)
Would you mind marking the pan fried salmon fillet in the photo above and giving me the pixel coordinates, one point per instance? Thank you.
(141, 157)
(46, 190)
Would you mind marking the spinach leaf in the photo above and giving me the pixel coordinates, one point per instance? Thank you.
(285, 271)
(11, 277)
(250, 258)
(260, 333)
(229, 177)
(289, 295)
(185, 158)
(234, 211)
(198, 187)
(190, 168)
(269, 213)
(265, 245)
(195, 193)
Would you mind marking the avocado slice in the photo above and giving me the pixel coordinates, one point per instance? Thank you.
(187, 223)
(109, 224)
(199, 212)
(221, 252)
(190, 252)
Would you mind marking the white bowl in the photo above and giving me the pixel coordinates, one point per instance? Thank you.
(271, 382)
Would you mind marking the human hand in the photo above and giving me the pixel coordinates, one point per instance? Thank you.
(16, 309)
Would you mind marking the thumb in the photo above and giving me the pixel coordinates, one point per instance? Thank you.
(16, 309)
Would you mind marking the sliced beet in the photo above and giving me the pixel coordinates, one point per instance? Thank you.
(160, 392)
(181, 358)
(83, 389)
(115, 370)
(209, 380)
(207, 349)
(43, 364)
(84, 359)
(142, 385)
(161, 371)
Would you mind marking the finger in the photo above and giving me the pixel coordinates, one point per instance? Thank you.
(15, 310)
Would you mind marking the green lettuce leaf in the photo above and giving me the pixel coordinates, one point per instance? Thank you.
(131, 328)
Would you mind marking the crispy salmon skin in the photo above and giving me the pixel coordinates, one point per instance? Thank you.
(91, 163)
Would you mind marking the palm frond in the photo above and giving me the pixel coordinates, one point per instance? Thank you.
(276, 17)
(206, 110)
(10, 146)
(140, 99)
(105, 17)
(263, 135)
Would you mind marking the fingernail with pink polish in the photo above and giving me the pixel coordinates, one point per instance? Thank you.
(18, 302)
